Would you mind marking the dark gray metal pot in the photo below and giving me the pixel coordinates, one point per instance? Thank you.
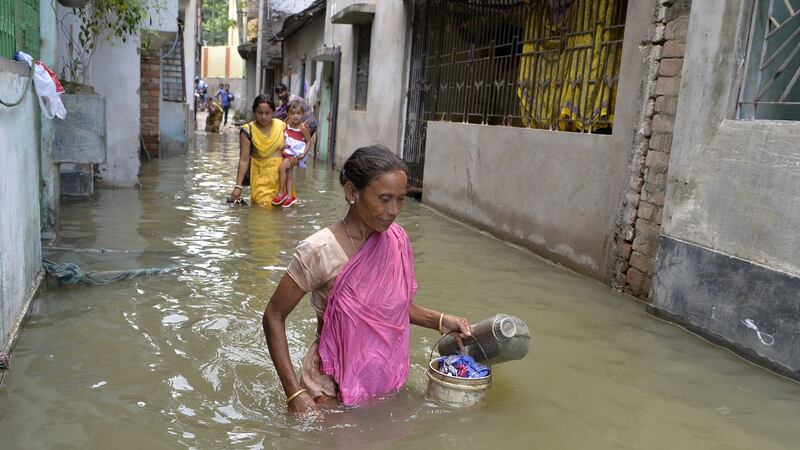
(77, 4)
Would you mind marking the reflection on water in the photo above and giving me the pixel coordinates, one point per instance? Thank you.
(179, 361)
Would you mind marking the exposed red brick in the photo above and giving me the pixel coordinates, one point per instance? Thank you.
(670, 67)
(673, 49)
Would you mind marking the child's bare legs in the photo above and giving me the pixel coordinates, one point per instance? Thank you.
(290, 181)
(284, 171)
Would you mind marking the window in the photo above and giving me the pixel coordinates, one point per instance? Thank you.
(19, 27)
(771, 90)
(550, 64)
(363, 34)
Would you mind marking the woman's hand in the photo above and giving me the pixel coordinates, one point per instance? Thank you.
(459, 324)
(455, 323)
(303, 405)
(236, 193)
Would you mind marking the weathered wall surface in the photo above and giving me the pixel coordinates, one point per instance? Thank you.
(172, 125)
(728, 259)
(558, 193)
(190, 37)
(20, 247)
(297, 49)
(553, 192)
(381, 122)
(639, 223)
(50, 177)
(115, 74)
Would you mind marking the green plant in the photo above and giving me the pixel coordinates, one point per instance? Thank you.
(216, 22)
(108, 19)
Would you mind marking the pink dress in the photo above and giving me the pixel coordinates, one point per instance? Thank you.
(364, 345)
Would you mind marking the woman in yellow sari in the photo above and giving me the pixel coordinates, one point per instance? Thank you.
(214, 117)
(260, 146)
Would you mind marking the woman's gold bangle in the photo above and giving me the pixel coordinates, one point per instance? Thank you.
(441, 316)
(294, 396)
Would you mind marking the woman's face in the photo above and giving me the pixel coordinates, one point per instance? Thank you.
(264, 114)
(380, 202)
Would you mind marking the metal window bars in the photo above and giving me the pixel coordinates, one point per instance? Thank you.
(548, 64)
(770, 90)
(19, 27)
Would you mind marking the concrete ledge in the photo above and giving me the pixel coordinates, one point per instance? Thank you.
(81, 136)
(354, 14)
(15, 67)
(325, 54)
(77, 180)
(716, 295)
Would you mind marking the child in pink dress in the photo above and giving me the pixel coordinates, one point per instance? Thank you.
(298, 142)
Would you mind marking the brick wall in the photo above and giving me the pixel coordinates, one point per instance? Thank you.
(640, 222)
(150, 97)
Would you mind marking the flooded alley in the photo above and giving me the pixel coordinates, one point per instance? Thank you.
(179, 361)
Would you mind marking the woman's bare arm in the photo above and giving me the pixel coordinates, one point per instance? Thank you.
(283, 301)
(244, 164)
(428, 318)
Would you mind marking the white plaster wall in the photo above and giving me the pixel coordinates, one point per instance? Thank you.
(381, 121)
(20, 248)
(50, 173)
(165, 18)
(115, 74)
(733, 184)
(189, 48)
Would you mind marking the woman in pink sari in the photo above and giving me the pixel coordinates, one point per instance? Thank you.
(360, 274)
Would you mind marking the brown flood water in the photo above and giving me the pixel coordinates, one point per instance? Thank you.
(179, 361)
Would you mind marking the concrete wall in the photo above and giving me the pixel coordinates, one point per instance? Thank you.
(558, 193)
(250, 84)
(382, 121)
(114, 73)
(298, 48)
(50, 174)
(730, 246)
(222, 62)
(165, 17)
(20, 248)
(172, 128)
(190, 32)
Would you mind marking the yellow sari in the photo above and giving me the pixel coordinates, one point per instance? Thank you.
(265, 157)
(214, 119)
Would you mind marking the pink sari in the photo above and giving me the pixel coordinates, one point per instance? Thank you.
(365, 334)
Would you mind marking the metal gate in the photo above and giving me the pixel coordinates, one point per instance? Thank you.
(548, 64)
